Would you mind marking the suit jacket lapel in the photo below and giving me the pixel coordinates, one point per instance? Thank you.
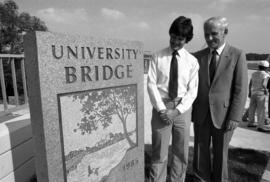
(223, 60)
(204, 66)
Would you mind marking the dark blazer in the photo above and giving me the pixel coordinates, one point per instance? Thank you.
(227, 95)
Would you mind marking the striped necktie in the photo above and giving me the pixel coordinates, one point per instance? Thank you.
(213, 65)
(173, 82)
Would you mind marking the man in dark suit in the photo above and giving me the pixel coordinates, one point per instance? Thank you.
(219, 106)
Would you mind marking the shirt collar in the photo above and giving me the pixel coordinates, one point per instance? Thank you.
(219, 50)
(180, 51)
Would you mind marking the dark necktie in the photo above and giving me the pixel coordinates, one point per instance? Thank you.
(173, 82)
(213, 65)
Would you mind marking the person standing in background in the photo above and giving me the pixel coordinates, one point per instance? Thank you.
(258, 93)
(267, 114)
(172, 86)
(218, 108)
(267, 118)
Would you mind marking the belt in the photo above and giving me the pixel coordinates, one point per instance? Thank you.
(172, 103)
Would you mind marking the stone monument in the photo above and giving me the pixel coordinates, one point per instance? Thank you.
(86, 106)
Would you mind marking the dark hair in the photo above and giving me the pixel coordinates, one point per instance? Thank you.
(182, 26)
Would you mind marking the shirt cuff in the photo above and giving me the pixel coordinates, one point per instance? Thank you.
(160, 106)
(181, 108)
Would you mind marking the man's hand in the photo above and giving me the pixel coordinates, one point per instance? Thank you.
(172, 113)
(164, 117)
(231, 125)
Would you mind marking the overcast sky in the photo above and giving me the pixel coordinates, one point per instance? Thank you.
(149, 20)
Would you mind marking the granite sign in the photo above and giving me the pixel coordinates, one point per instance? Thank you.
(86, 106)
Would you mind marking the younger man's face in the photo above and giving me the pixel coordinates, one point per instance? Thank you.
(177, 42)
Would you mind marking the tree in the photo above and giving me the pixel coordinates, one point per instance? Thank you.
(13, 25)
(100, 106)
(255, 56)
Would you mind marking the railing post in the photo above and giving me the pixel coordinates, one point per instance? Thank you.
(3, 86)
(14, 81)
(12, 58)
(24, 81)
(146, 59)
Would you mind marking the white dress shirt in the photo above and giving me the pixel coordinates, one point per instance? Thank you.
(219, 51)
(159, 75)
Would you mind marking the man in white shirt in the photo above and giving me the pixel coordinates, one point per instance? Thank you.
(172, 87)
(258, 94)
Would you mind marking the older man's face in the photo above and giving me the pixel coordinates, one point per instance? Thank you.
(214, 35)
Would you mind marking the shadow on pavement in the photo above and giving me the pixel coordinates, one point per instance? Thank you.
(245, 165)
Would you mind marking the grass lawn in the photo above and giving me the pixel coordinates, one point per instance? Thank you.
(245, 165)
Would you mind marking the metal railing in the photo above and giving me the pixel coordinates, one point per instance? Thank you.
(146, 60)
(8, 70)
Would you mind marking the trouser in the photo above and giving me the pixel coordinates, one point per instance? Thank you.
(210, 166)
(245, 116)
(161, 134)
(257, 103)
(268, 105)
